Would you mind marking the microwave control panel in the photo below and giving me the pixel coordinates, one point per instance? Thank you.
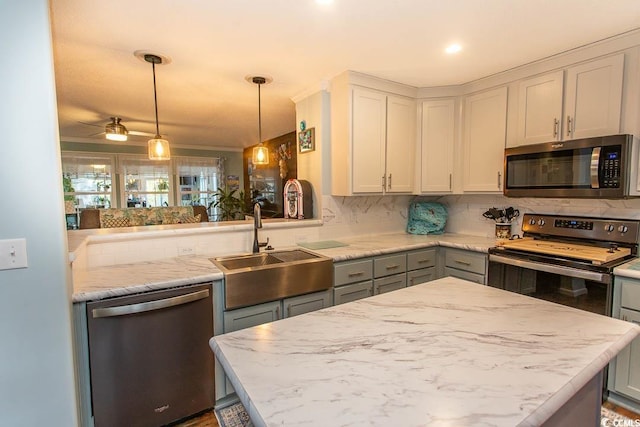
(610, 167)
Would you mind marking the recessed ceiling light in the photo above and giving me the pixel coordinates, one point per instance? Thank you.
(324, 1)
(454, 48)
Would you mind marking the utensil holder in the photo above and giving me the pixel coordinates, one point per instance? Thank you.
(503, 230)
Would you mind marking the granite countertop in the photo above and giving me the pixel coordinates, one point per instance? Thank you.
(447, 352)
(125, 279)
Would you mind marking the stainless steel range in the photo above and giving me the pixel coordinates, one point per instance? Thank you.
(565, 259)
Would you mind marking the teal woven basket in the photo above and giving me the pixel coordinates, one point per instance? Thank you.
(427, 218)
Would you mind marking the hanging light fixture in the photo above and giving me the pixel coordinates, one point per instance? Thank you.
(158, 146)
(260, 155)
(115, 131)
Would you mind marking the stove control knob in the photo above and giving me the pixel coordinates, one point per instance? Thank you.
(608, 228)
(541, 222)
(623, 229)
(532, 221)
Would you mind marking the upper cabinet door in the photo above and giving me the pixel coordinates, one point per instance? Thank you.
(401, 142)
(485, 128)
(437, 144)
(540, 109)
(593, 99)
(369, 134)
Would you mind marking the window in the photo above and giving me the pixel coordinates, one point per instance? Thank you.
(87, 180)
(144, 182)
(198, 180)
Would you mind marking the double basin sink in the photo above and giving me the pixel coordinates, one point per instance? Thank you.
(268, 276)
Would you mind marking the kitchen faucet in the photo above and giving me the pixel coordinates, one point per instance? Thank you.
(257, 223)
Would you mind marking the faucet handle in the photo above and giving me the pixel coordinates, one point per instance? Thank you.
(263, 244)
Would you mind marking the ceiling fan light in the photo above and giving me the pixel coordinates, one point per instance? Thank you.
(260, 155)
(159, 149)
(115, 131)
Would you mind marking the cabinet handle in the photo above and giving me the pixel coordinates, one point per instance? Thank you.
(277, 313)
(392, 267)
(569, 127)
(450, 186)
(499, 180)
(288, 310)
(389, 181)
(457, 261)
(422, 261)
(556, 124)
(357, 273)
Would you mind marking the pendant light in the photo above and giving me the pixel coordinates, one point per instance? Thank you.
(115, 131)
(260, 155)
(158, 146)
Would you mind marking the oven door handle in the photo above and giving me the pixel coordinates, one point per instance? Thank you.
(551, 268)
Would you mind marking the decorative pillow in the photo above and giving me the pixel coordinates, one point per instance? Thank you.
(115, 222)
(190, 219)
(174, 213)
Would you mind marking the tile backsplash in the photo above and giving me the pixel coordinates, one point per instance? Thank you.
(344, 217)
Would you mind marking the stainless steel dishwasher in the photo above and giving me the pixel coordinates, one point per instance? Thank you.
(149, 357)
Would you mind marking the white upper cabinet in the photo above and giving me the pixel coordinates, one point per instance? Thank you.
(373, 139)
(400, 149)
(594, 98)
(369, 139)
(540, 108)
(485, 127)
(437, 145)
(587, 103)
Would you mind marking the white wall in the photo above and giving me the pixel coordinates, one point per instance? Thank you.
(36, 359)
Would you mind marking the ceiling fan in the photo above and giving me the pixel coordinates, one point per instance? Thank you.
(116, 131)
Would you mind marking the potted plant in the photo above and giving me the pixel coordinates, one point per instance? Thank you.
(231, 206)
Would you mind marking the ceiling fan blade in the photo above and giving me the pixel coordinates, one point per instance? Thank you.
(136, 133)
(91, 124)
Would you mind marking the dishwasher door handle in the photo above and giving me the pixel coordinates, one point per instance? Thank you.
(123, 310)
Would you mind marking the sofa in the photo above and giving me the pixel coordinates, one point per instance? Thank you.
(134, 217)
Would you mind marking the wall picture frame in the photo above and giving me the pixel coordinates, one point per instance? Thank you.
(306, 140)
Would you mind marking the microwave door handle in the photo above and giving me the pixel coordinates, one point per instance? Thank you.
(594, 168)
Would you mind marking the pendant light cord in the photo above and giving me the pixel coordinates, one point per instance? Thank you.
(155, 97)
(259, 117)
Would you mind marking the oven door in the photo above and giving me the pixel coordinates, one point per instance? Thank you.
(574, 287)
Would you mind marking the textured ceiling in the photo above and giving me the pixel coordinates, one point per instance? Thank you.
(203, 97)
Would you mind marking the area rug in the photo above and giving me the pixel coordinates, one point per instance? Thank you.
(233, 415)
(609, 418)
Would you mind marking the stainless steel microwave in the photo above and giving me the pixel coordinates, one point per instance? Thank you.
(582, 168)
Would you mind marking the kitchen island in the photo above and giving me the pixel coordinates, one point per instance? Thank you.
(447, 352)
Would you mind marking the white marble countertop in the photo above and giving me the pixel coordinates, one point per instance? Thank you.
(630, 269)
(125, 279)
(447, 352)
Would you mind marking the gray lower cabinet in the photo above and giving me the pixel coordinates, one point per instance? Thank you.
(389, 264)
(307, 303)
(421, 266)
(416, 277)
(352, 292)
(255, 315)
(352, 280)
(624, 372)
(389, 283)
(466, 265)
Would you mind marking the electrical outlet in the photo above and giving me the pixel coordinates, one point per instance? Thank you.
(13, 254)
(186, 250)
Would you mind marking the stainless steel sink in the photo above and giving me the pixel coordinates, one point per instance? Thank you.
(269, 276)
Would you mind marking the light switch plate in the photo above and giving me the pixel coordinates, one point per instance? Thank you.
(13, 254)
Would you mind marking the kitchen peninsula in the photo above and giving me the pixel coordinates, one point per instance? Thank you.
(448, 352)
